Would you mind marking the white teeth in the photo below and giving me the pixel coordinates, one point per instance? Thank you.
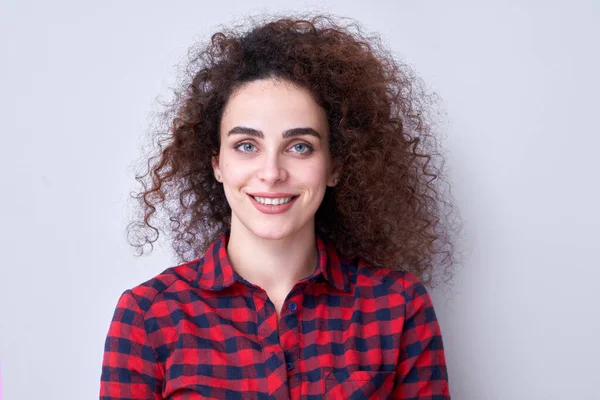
(271, 201)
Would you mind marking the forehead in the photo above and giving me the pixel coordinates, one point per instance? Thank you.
(270, 104)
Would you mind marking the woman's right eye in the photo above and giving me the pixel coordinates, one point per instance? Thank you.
(245, 147)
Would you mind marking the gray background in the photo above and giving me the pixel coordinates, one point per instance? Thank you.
(519, 83)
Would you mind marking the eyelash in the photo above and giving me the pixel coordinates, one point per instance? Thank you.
(309, 148)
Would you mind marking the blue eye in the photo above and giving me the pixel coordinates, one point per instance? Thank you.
(245, 147)
(302, 148)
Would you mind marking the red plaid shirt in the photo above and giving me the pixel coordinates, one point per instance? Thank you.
(348, 331)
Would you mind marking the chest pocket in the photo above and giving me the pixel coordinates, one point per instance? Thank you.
(359, 385)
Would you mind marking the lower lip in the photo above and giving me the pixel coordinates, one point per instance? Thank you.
(270, 208)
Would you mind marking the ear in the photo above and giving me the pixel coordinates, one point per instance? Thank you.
(215, 165)
(335, 174)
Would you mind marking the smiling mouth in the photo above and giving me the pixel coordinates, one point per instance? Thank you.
(273, 201)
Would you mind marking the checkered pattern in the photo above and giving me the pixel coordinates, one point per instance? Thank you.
(347, 331)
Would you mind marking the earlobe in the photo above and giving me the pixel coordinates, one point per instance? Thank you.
(333, 180)
(335, 175)
(216, 169)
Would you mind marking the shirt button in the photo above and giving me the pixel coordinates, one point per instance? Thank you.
(293, 306)
(289, 366)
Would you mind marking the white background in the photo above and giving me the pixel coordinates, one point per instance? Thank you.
(519, 83)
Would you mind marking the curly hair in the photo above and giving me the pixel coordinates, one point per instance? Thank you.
(389, 207)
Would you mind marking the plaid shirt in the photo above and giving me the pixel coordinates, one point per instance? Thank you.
(347, 331)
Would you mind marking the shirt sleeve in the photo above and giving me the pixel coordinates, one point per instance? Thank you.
(129, 367)
(421, 371)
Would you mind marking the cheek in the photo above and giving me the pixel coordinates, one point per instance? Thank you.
(314, 176)
(317, 172)
(235, 174)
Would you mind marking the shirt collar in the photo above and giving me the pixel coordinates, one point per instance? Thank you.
(216, 273)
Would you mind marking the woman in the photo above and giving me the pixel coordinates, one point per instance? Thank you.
(298, 176)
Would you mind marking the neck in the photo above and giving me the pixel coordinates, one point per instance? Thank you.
(273, 264)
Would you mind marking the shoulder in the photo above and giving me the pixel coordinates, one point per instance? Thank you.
(173, 279)
(401, 292)
(388, 280)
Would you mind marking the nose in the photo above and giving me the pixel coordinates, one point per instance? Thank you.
(272, 171)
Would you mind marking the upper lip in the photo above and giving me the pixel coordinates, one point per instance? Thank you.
(272, 195)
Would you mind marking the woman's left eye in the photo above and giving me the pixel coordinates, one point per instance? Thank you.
(302, 148)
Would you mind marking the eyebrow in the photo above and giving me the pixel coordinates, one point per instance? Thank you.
(242, 130)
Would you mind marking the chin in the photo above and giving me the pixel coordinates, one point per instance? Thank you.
(271, 232)
(273, 228)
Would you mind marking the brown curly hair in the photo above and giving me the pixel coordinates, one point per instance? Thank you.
(389, 207)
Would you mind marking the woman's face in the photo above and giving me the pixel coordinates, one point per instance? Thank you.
(274, 161)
